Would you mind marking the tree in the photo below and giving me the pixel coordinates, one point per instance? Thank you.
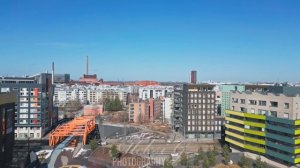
(114, 151)
(196, 160)
(200, 153)
(183, 159)
(168, 162)
(113, 105)
(259, 164)
(93, 144)
(211, 158)
(226, 154)
(100, 120)
(205, 163)
(245, 162)
(215, 150)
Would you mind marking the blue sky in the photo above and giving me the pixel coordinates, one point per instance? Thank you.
(232, 40)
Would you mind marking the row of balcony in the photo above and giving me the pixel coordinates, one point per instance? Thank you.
(250, 123)
(246, 146)
(246, 138)
(246, 115)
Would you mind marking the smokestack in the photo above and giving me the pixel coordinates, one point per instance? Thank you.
(52, 73)
(87, 65)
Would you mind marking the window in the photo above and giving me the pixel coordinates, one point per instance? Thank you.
(243, 109)
(273, 113)
(262, 112)
(252, 102)
(286, 115)
(286, 105)
(273, 104)
(262, 103)
(243, 101)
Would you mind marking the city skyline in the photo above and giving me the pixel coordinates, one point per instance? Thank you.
(153, 40)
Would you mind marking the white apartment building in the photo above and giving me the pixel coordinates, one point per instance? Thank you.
(167, 109)
(155, 92)
(90, 94)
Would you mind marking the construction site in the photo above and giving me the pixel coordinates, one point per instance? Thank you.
(70, 136)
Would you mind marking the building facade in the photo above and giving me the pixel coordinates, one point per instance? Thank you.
(34, 114)
(90, 94)
(155, 109)
(7, 138)
(266, 124)
(167, 109)
(225, 97)
(155, 92)
(61, 78)
(139, 112)
(193, 77)
(195, 112)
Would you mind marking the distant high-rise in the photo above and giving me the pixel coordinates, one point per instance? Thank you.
(193, 77)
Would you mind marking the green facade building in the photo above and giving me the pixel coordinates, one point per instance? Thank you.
(265, 124)
(225, 97)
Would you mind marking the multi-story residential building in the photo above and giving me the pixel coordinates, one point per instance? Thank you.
(225, 97)
(139, 112)
(115, 94)
(63, 95)
(34, 114)
(226, 91)
(195, 111)
(7, 113)
(154, 109)
(89, 94)
(266, 124)
(61, 78)
(167, 109)
(155, 92)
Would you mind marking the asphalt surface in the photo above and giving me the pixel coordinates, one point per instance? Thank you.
(110, 131)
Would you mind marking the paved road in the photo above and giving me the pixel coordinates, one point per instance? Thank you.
(164, 148)
(58, 150)
(110, 131)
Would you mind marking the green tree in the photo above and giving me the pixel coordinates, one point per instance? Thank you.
(114, 151)
(211, 158)
(259, 164)
(93, 144)
(245, 162)
(183, 159)
(226, 154)
(215, 150)
(113, 105)
(168, 162)
(205, 163)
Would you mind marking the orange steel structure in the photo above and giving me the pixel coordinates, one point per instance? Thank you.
(78, 127)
